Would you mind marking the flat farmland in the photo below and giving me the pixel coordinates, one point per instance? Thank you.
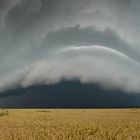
(69, 124)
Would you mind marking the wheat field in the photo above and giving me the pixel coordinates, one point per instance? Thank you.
(70, 124)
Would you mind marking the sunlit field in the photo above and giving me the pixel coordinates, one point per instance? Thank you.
(79, 124)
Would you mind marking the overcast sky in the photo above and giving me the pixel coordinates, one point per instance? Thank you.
(47, 41)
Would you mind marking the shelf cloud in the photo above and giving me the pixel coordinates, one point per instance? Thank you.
(88, 64)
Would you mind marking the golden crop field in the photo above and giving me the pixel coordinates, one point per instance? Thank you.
(70, 124)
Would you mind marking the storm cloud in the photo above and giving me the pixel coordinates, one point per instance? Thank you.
(48, 41)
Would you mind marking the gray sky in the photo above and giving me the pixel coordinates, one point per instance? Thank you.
(47, 41)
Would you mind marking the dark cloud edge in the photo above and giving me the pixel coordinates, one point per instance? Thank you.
(68, 94)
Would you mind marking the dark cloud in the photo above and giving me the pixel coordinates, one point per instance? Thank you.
(69, 95)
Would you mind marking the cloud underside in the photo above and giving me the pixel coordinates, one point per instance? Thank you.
(109, 68)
